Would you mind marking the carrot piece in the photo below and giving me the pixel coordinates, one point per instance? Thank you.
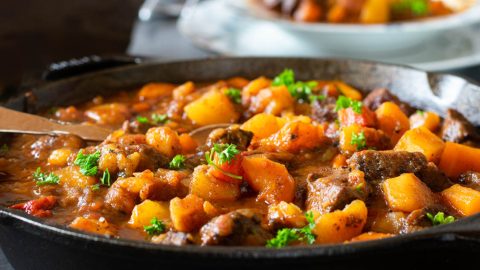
(465, 200)
(421, 140)
(370, 236)
(407, 193)
(187, 143)
(392, 121)
(349, 117)
(459, 158)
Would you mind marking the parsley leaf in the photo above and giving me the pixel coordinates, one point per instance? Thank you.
(3, 149)
(416, 7)
(105, 180)
(44, 179)
(159, 118)
(234, 94)
(142, 119)
(225, 153)
(178, 162)
(156, 227)
(344, 102)
(420, 112)
(286, 235)
(88, 163)
(299, 90)
(314, 98)
(359, 140)
(95, 187)
(440, 219)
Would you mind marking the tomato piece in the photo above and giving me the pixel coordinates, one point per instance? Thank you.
(234, 167)
(349, 117)
(40, 207)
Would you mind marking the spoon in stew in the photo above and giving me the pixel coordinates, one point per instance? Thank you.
(12, 121)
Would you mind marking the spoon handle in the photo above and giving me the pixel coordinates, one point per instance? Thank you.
(17, 122)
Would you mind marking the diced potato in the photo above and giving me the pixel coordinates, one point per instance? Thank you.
(294, 137)
(273, 100)
(238, 82)
(270, 179)
(59, 157)
(308, 11)
(211, 108)
(155, 90)
(180, 92)
(407, 193)
(164, 139)
(465, 200)
(72, 177)
(205, 186)
(286, 215)
(98, 226)
(136, 183)
(429, 120)
(370, 236)
(263, 125)
(373, 139)
(458, 158)
(375, 11)
(109, 114)
(187, 143)
(348, 90)
(187, 214)
(144, 212)
(392, 121)
(253, 88)
(337, 14)
(421, 140)
(339, 161)
(341, 225)
(346, 134)
(390, 222)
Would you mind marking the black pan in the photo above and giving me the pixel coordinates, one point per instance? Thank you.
(32, 243)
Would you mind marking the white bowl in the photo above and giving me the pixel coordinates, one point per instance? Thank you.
(350, 39)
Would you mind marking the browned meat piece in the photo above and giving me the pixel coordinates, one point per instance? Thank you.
(240, 227)
(418, 220)
(165, 186)
(230, 135)
(285, 6)
(136, 127)
(42, 147)
(173, 238)
(120, 199)
(378, 96)
(381, 165)
(434, 178)
(456, 128)
(471, 180)
(333, 192)
(324, 110)
(150, 158)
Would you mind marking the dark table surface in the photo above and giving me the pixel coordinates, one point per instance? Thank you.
(160, 39)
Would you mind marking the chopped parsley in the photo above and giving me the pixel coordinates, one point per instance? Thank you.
(156, 227)
(234, 94)
(420, 112)
(359, 140)
(344, 102)
(95, 187)
(440, 218)
(44, 179)
(416, 7)
(178, 162)
(287, 235)
(314, 98)
(359, 188)
(4, 149)
(225, 153)
(301, 91)
(88, 163)
(142, 119)
(105, 180)
(159, 118)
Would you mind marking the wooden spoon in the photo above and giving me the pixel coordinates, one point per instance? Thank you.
(18, 122)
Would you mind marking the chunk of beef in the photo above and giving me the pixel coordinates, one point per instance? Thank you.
(150, 158)
(237, 228)
(173, 238)
(471, 180)
(120, 199)
(333, 192)
(418, 220)
(381, 165)
(456, 128)
(165, 186)
(231, 135)
(378, 96)
(43, 146)
(324, 110)
(435, 179)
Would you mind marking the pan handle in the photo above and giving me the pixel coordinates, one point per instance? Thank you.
(78, 66)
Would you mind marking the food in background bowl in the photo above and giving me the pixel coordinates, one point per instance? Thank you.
(362, 11)
(302, 162)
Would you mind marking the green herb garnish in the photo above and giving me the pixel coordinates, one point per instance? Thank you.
(416, 7)
(359, 140)
(344, 102)
(287, 235)
(440, 219)
(105, 180)
(420, 112)
(156, 227)
(225, 153)
(95, 187)
(88, 163)
(159, 118)
(177, 163)
(314, 98)
(299, 90)
(44, 179)
(142, 119)
(234, 94)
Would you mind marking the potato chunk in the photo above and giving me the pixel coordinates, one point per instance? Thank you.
(208, 187)
(407, 193)
(458, 158)
(211, 108)
(187, 214)
(429, 120)
(465, 200)
(253, 88)
(270, 179)
(341, 225)
(421, 140)
(263, 125)
(59, 157)
(273, 100)
(155, 90)
(109, 114)
(98, 226)
(285, 215)
(144, 212)
(164, 140)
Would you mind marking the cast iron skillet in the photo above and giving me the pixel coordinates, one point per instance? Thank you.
(32, 243)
